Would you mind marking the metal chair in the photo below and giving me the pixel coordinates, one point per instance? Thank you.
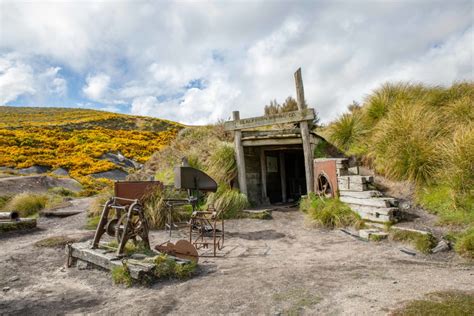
(207, 228)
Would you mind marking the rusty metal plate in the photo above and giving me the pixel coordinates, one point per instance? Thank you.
(327, 168)
(135, 190)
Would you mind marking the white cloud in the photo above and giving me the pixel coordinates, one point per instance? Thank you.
(245, 53)
(16, 79)
(96, 86)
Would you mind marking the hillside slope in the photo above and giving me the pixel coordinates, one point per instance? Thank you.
(77, 139)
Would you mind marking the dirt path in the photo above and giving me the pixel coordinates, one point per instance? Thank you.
(269, 267)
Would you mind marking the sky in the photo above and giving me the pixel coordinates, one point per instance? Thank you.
(197, 61)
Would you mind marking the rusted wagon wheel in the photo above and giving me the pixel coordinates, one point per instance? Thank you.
(324, 188)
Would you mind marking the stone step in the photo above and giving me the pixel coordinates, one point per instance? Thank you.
(374, 201)
(361, 195)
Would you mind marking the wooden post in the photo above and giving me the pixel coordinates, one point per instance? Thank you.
(263, 172)
(239, 155)
(283, 177)
(308, 155)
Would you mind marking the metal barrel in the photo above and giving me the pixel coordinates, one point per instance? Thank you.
(12, 216)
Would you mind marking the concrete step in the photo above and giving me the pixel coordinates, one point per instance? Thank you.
(374, 201)
(352, 187)
(361, 195)
(378, 218)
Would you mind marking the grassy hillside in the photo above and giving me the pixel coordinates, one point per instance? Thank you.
(418, 133)
(75, 139)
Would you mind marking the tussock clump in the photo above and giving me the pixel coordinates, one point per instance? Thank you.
(330, 213)
(228, 200)
(27, 204)
(464, 244)
(347, 131)
(222, 165)
(422, 242)
(121, 275)
(404, 143)
(156, 210)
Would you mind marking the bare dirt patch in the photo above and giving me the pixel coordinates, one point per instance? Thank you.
(267, 267)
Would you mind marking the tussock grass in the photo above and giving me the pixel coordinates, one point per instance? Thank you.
(464, 243)
(167, 268)
(439, 303)
(156, 210)
(419, 133)
(27, 204)
(222, 163)
(62, 191)
(330, 213)
(121, 275)
(228, 200)
(404, 143)
(422, 242)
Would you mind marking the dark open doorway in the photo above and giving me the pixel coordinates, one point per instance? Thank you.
(285, 175)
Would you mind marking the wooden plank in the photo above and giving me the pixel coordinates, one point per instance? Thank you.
(239, 156)
(304, 126)
(271, 142)
(374, 210)
(280, 118)
(283, 177)
(263, 172)
(361, 195)
(355, 179)
(374, 201)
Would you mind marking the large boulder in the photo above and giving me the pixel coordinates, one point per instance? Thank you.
(114, 174)
(36, 183)
(34, 170)
(121, 161)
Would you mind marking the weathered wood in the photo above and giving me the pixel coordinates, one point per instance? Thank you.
(377, 202)
(374, 210)
(263, 172)
(283, 177)
(239, 155)
(22, 224)
(355, 179)
(304, 126)
(361, 195)
(280, 118)
(10, 216)
(107, 259)
(271, 133)
(271, 142)
(346, 186)
(423, 232)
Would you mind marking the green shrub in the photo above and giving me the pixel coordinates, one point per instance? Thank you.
(464, 245)
(62, 191)
(98, 203)
(121, 275)
(422, 242)
(330, 213)
(228, 200)
(92, 222)
(27, 204)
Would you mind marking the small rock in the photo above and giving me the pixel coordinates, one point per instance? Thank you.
(6, 289)
(138, 256)
(14, 278)
(441, 246)
(395, 282)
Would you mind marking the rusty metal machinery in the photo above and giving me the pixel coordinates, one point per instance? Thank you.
(123, 216)
(182, 249)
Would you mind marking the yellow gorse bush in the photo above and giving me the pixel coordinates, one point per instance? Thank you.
(75, 139)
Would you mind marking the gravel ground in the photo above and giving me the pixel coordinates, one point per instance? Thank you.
(278, 266)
